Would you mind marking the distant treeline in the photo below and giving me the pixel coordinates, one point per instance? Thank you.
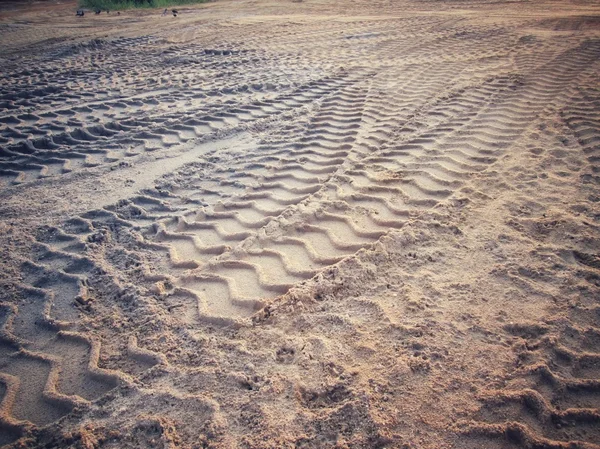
(127, 4)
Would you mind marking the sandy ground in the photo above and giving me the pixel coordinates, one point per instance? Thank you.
(316, 224)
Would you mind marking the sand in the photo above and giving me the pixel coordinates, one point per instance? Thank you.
(314, 224)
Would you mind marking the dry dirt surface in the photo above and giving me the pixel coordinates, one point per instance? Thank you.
(310, 224)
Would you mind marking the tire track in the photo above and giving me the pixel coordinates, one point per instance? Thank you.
(347, 155)
(553, 398)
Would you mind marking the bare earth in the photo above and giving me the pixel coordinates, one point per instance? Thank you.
(315, 224)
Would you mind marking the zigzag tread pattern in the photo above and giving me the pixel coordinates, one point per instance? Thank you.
(353, 155)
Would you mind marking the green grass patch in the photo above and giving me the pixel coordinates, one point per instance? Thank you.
(120, 5)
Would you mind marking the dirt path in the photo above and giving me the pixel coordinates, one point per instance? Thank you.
(308, 224)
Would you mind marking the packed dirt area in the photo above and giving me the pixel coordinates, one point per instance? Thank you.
(301, 224)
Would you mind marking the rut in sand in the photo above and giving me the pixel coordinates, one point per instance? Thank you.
(232, 206)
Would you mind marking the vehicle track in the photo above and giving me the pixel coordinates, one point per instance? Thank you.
(348, 152)
(553, 398)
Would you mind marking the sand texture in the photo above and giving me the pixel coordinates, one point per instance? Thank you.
(301, 224)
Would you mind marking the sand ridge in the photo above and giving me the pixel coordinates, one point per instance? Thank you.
(301, 224)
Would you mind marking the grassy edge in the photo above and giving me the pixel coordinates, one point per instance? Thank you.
(120, 5)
